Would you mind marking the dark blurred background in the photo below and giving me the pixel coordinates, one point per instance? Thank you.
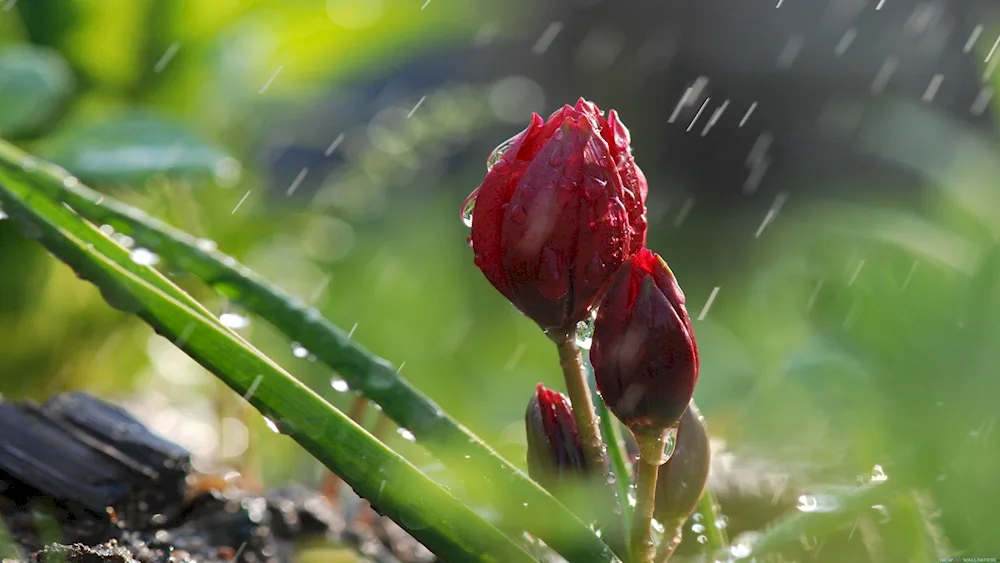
(822, 181)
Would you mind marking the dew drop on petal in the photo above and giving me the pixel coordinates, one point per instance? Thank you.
(468, 207)
(518, 214)
(498, 152)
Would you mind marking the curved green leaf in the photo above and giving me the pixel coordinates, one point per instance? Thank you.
(34, 83)
(427, 511)
(132, 147)
(521, 502)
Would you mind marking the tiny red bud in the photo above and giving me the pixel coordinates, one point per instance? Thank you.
(644, 352)
(681, 480)
(554, 449)
(558, 212)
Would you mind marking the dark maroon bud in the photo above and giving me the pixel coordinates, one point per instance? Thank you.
(554, 450)
(644, 352)
(681, 480)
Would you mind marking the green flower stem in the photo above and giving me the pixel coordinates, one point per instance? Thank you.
(578, 389)
(651, 446)
(619, 460)
(669, 544)
(715, 535)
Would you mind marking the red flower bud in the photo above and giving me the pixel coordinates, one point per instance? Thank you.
(561, 208)
(681, 480)
(554, 450)
(644, 353)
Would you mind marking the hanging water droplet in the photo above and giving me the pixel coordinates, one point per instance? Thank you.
(696, 516)
(406, 434)
(702, 539)
(144, 257)
(668, 450)
(497, 153)
(234, 320)
(206, 245)
(107, 230)
(71, 181)
(585, 332)
(272, 425)
(468, 207)
(612, 479)
(697, 528)
(722, 522)
(298, 351)
(339, 385)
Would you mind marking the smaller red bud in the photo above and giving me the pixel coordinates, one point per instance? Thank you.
(554, 449)
(644, 352)
(681, 480)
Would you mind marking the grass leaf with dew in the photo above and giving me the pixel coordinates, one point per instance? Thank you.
(427, 511)
(491, 479)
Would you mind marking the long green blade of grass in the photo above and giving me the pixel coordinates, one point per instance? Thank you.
(427, 511)
(522, 504)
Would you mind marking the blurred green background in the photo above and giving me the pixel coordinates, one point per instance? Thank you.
(852, 335)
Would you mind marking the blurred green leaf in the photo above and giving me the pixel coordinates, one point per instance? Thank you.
(131, 147)
(428, 512)
(522, 503)
(34, 83)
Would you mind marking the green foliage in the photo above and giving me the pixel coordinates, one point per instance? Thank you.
(34, 85)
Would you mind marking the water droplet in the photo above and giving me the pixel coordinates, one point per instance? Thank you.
(883, 513)
(696, 516)
(741, 550)
(206, 245)
(107, 230)
(71, 181)
(272, 425)
(468, 208)
(553, 279)
(594, 275)
(722, 522)
(697, 528)
(144, 257)
(518, 214)
(585, 333)
(702, 539)
(817, 503)
(878, 475)
(668, 450)
(298, 351)
(657, 526)
(234, 320)
(594, 188)
(612, 479)
(123, 240)
(406, 434)
(498, 152)
(339, 385)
